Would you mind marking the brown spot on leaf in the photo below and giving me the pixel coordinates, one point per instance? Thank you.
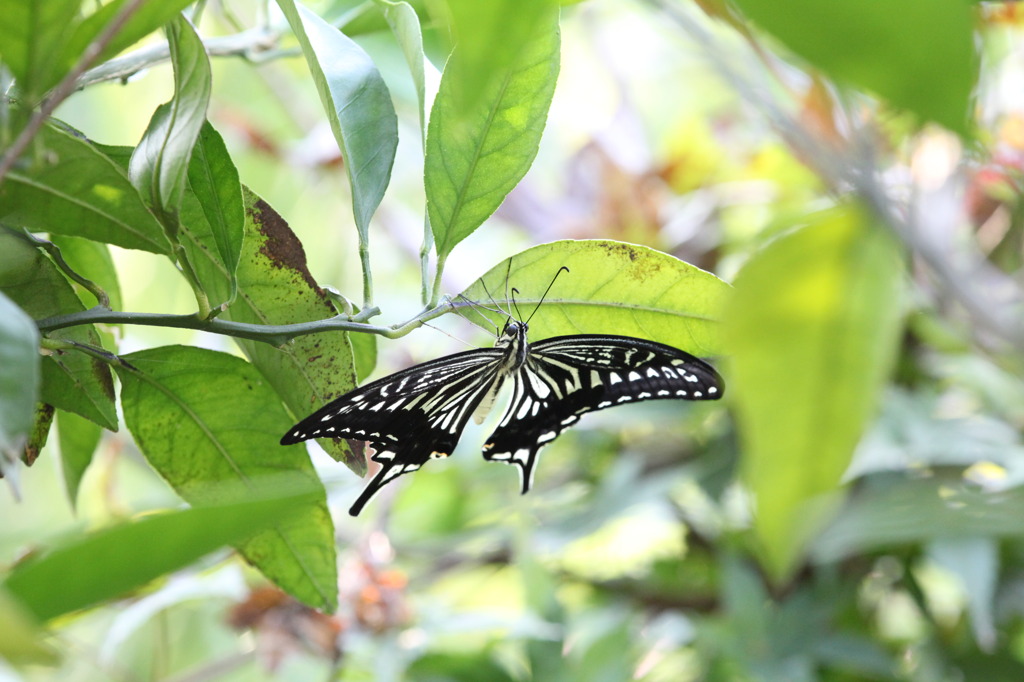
(281, 247)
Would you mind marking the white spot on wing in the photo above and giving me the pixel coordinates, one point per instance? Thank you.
(614, 378)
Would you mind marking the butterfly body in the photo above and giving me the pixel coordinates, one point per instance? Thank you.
(419, 413)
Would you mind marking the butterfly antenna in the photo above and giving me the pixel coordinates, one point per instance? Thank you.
(515, 305)
(545, 294)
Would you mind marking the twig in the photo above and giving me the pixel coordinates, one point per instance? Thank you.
(275, 335)
(256, 45)
(58, 258)
(66, 87)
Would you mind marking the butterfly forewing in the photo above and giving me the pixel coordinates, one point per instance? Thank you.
(409, 417)
(567, 376)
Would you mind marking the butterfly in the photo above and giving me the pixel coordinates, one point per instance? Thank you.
(419, 413)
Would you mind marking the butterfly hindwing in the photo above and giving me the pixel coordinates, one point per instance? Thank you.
(409, 417)
(565, 377)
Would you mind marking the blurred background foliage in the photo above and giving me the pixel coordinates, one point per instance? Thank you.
(880, 538)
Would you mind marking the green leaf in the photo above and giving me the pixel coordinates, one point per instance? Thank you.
(210, 425)
(476, 155)
(975, 561)
(364, 353)
(917, 54)
(357, 104)
(74, 189)
(78, 440)
(611, 288)
(19, 374)
(159, 167)
(40, 42)
(488, 37)
(42, 420)
(22, 640)
(890, 513)
(405, 24)
(31, 34)
(813, 329)
(71, 380)
(101, 566)
(216, 193)
(277, 288)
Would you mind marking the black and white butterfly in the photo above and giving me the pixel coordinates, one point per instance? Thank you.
(418, 414)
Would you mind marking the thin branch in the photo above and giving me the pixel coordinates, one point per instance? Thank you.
(256, 45)
(66, 86)
(275, 335)
(57, 257)
(101, 354)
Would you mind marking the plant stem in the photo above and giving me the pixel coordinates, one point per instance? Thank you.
(425, 249)
(202, 300)
(275, 335)
(55, 255)
(257, 45)
(435, 293)
(364, 261)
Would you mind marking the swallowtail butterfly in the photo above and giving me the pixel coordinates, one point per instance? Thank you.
(418, 414)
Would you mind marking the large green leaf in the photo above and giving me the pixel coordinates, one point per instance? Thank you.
(813, 329)
(32, 33)
(357, 104)
(918, 54)
(19, 374)
(405, 24)
(216, 216)
(71, 380)
(78, 439)
(476, 155)
(275, 287)
(488, 38)
(102, 566)
(895, 511)
(40, 42)
(72, 188)
(160, 164)
(210, 424)
(611, 288)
